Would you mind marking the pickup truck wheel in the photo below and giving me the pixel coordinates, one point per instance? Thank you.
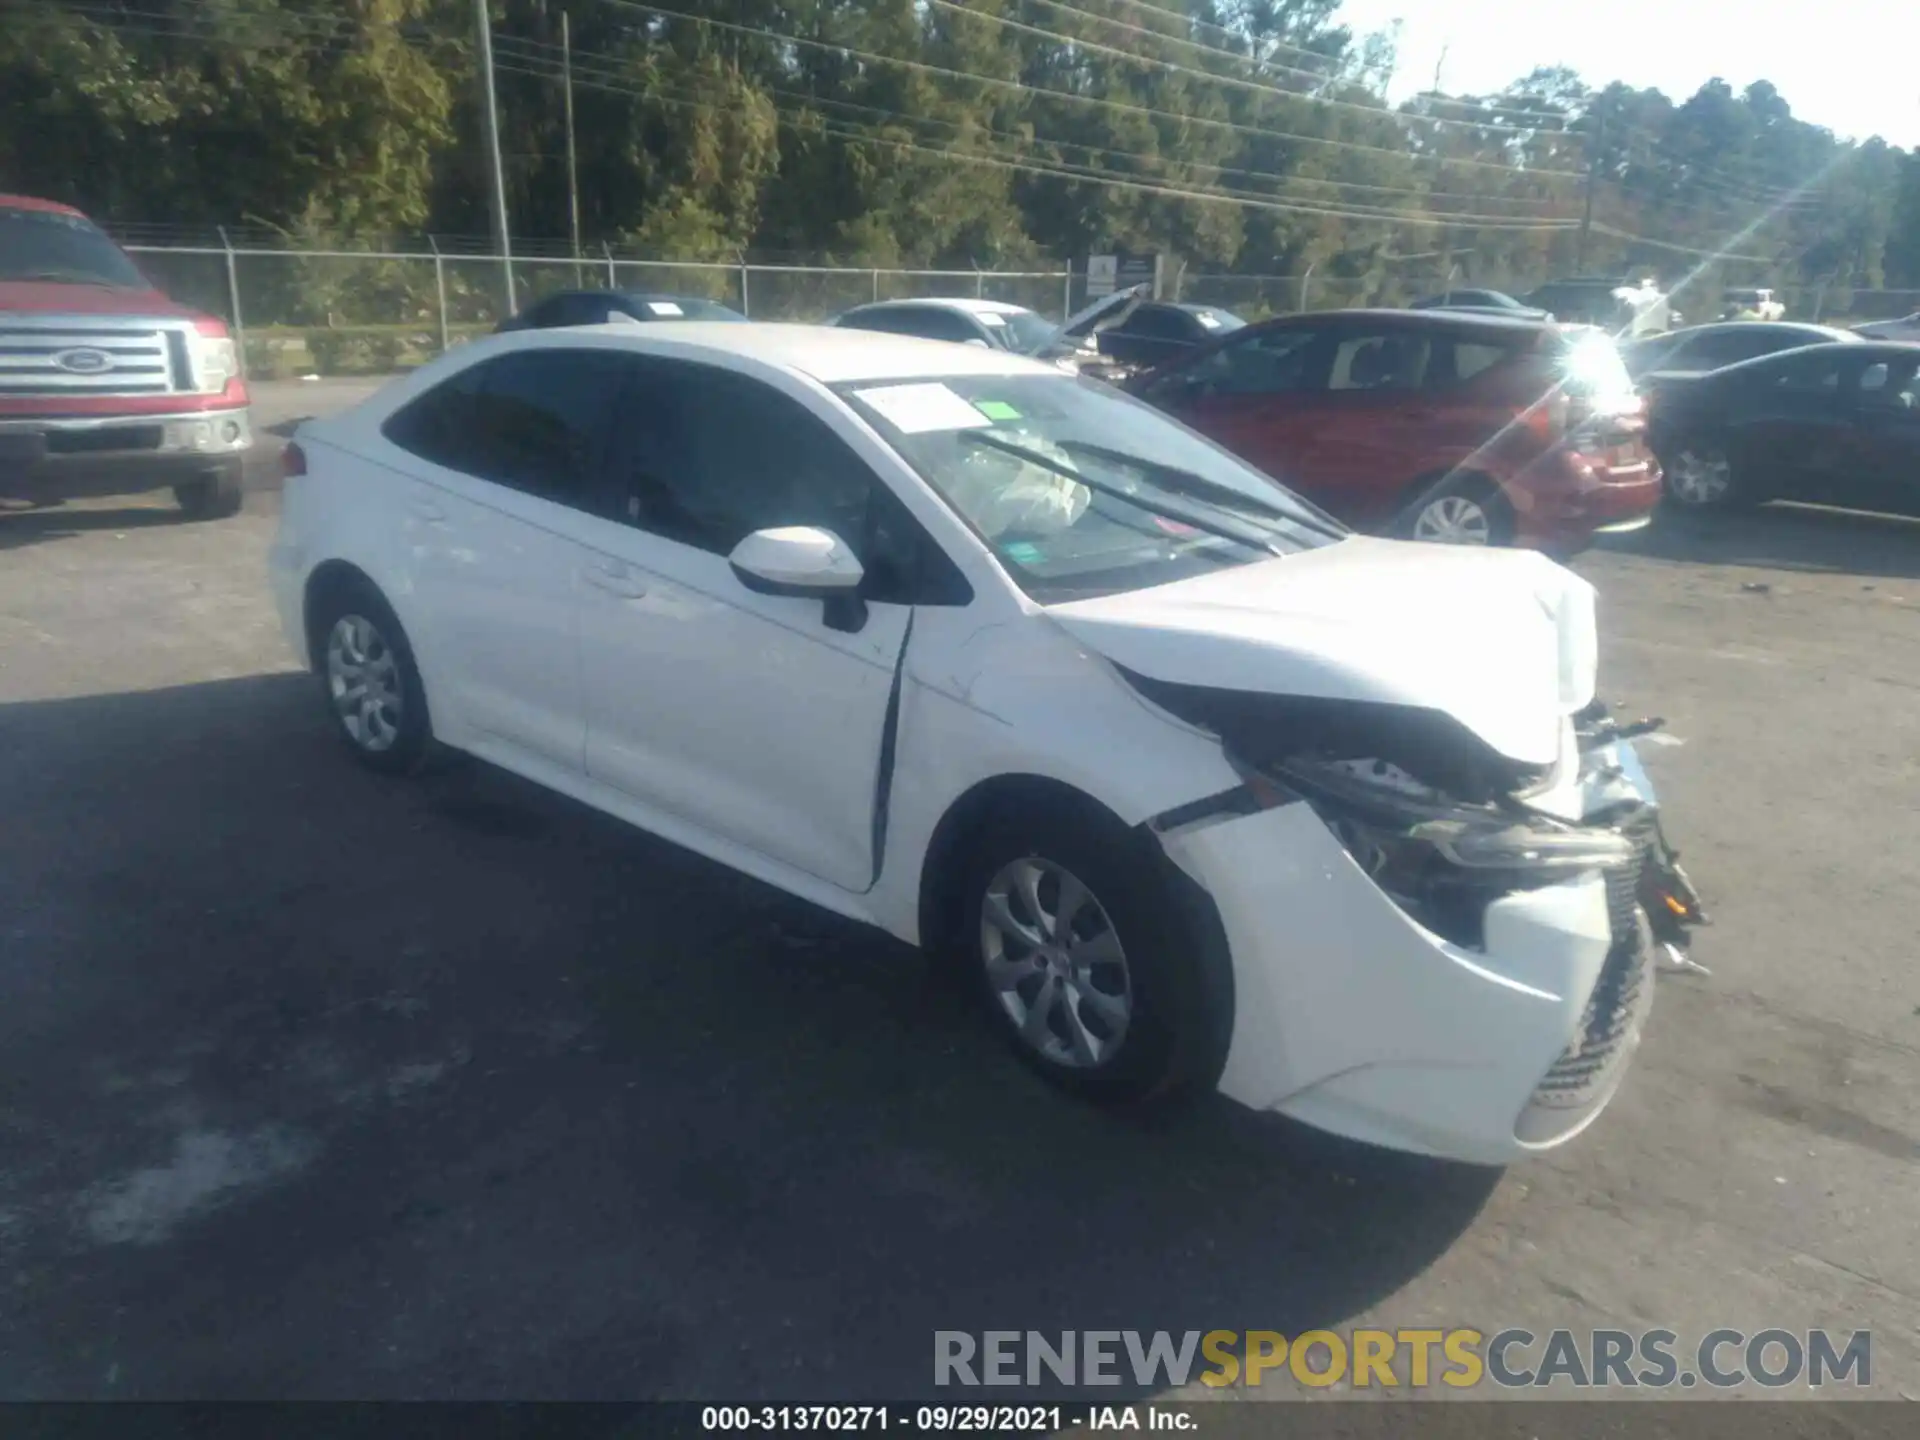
(370, 681)
(1086, 962)
(214, 498)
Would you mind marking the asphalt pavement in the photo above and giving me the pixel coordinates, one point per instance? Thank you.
(323, 1085)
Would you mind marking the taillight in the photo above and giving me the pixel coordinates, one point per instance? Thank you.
(293, 460)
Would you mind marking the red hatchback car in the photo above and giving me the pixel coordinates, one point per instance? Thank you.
(1470, 429)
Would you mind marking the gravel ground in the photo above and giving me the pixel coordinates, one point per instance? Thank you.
(323, 1085)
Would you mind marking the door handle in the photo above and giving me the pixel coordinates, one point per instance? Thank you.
(424, 509)
(615, 579)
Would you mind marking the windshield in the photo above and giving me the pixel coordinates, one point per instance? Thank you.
(1080, 490)
(1219, 322)
(1025, 332)
(40, 245)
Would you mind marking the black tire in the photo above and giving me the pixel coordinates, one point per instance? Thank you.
(1475, 492)
(1175, 975)
(1687, 464)
(394, 738)
(214, 497)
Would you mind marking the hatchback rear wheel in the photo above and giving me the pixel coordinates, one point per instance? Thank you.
(1466, 512)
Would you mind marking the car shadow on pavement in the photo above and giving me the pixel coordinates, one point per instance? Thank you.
(322, 1084)
(22, 527)
(1782, 537)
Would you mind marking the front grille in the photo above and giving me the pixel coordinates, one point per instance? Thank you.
(106, 439)
(78, 357)
(1582, 1078)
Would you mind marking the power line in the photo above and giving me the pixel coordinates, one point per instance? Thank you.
(1089, 176)
(1246, 57)
(1197, 23)
(1175, 67)
(588, 62)
(1098, 100)
(1242, 57)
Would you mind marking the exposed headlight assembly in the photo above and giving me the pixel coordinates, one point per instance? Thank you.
(1443, 862)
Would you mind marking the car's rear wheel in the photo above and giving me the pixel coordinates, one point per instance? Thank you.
(213, 497)
(1700, 475)
(368, 676)
(1087, 962)
(1464, 512)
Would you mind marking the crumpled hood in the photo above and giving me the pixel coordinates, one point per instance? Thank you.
(1502, 640)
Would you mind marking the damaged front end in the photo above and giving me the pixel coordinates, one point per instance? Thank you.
(1451, 832)
(1443, 823)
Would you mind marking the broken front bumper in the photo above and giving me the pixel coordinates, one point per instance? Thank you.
(1352, 1016)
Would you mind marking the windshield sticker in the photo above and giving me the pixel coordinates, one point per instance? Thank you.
(1212, 322)
(996, 409)
(918, 409)
(989, 319)
(1022, 553)
(664, 307)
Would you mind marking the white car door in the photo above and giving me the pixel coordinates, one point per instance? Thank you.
(745, 714)
(500, 459)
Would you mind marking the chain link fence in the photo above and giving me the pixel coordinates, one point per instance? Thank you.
(353, 312)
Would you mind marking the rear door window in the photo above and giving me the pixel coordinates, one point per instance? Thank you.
(1710, 352)
(930, 322)
(1274, 362)
(1456, 362)
(535, 421)
(1380, 361)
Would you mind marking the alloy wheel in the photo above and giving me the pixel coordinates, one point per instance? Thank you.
(1454, 520)
(1700, 477)
(1055, 963)
(363, 678)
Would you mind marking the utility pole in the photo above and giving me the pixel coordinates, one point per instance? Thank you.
(501, 239)
(1599, 143)
(573, 172)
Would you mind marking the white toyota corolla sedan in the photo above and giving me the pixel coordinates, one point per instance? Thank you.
(1205, 791)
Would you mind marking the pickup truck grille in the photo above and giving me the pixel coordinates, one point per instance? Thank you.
(68, 356)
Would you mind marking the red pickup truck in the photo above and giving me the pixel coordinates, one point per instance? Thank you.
(106, 386)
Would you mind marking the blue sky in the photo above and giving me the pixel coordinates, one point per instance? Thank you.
(1850, 65)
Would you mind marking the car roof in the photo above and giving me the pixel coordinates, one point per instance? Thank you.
(1864, 351)
(29, 202)
(1759, 327)
(965, 304)
(625, 294)
(1479, 321)
(824, 353)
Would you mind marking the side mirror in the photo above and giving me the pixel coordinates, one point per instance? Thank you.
(804, 562)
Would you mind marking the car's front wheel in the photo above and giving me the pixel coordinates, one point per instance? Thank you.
(369, 679)
(1090, 966)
